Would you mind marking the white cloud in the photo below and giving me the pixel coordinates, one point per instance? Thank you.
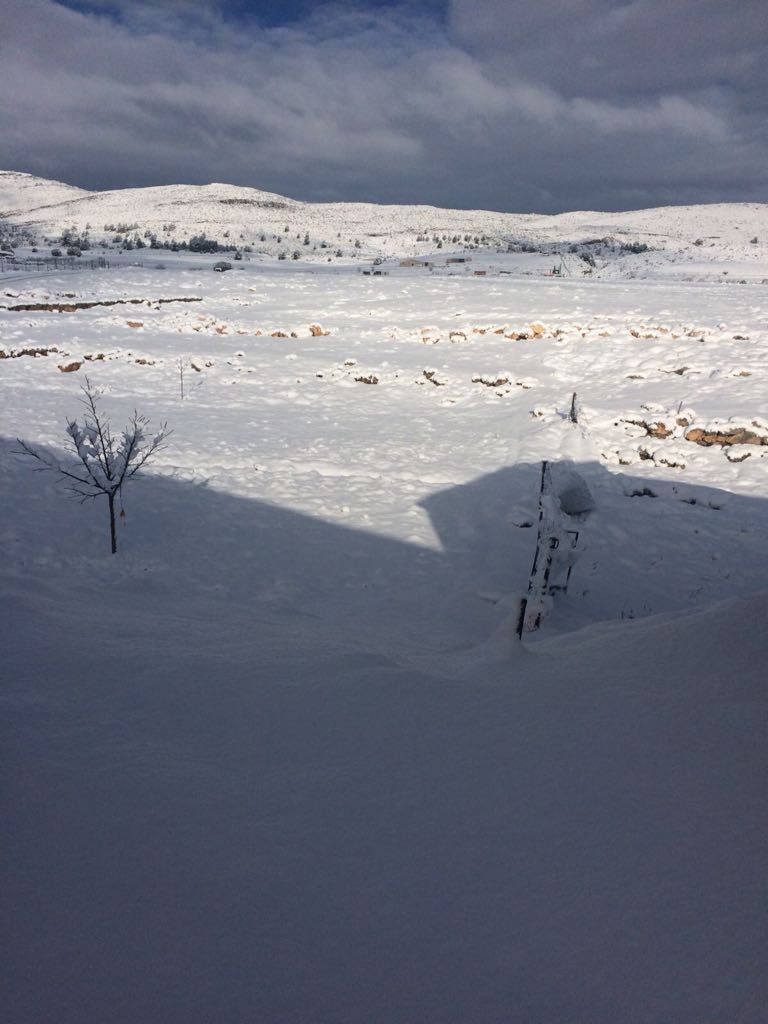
(672, 113)
(350, 104)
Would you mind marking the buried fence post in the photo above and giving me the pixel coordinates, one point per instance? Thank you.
(536, 591)
(551, 573)
(521, 616)
(573, 415)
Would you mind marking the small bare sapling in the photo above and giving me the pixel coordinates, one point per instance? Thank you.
(185, 388)
(104, 463)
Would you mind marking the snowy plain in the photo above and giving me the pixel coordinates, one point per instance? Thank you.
(283, 758)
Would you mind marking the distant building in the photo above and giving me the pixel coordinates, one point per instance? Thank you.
(481, 273)
(411, 262)
(459, 259)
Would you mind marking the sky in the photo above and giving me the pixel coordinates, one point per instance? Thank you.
(489, 104)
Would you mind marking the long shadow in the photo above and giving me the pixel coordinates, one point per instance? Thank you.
(648, 546)
(229, 795)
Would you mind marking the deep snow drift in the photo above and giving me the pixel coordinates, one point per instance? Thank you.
(283, 758)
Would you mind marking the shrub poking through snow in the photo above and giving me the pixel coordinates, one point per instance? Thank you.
(105, 463)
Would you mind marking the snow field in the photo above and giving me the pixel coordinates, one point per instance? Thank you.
(282, 758)
(299, 422)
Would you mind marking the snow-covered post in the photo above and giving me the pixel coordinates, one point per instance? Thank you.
(547, 541)
(566, 499)
(106, 463)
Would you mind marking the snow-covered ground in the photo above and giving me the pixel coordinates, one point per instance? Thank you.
(283, 758)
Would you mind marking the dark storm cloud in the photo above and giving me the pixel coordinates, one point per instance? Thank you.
(601, 47)
(503, 105)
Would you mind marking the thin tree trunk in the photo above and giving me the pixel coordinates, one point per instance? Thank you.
(112, 533)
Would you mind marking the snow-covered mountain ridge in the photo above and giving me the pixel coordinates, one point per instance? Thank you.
(271, 223)
(22, 193)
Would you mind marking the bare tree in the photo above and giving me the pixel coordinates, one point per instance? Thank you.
(104, 463)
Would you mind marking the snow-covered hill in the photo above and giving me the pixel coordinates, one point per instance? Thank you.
(22, 193)
(272, 224)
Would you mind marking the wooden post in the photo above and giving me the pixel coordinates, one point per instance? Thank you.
(537, 554)
(573, 415)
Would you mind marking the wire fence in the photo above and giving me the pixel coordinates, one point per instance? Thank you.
(50, 264)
